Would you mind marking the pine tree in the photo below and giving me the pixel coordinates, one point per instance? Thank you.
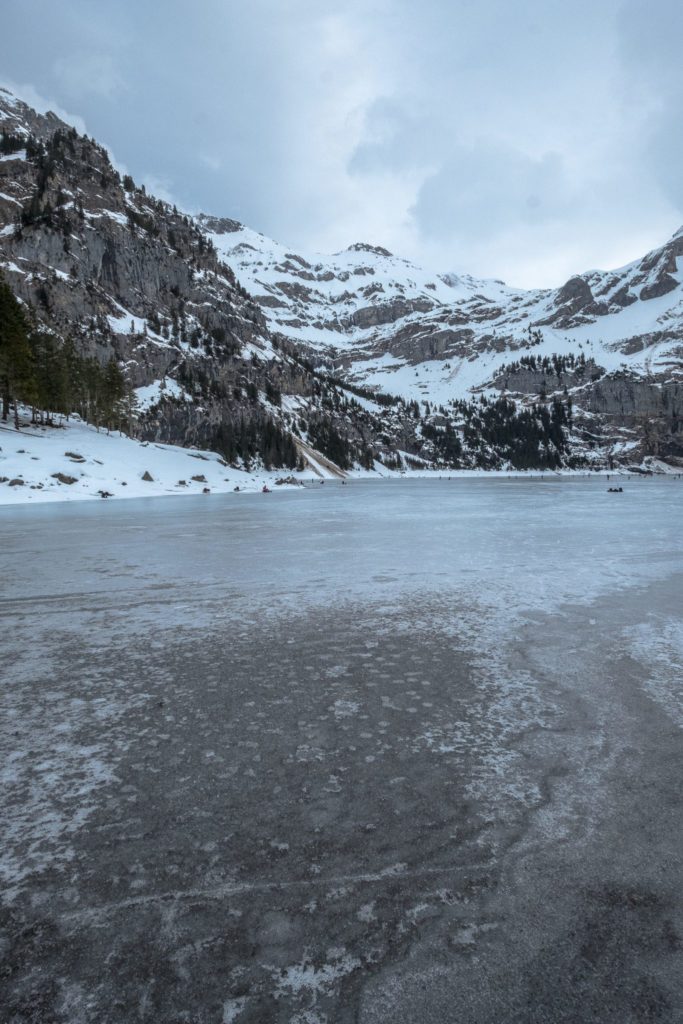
(17, 381)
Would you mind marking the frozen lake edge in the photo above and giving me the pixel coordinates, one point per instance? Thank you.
(344, 756)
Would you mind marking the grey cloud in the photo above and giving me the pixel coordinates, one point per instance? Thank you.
(459, 133)
(650, 37)
(93, 73)
(395, 138)
(468, 190)
(482, 191)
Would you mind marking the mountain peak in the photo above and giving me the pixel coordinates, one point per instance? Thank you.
(366, 247)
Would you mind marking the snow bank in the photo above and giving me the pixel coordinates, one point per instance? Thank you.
(76, 461)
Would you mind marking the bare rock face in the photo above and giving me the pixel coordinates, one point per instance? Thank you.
(417, 345)
(220, 225)
(575, 293)
(628, 398)
(663, 284)
(389, 312)
(550, 380)
(623, 297)
(649, 410)
(365, 247)
(575, 297)
(654, 410)
(293, 290)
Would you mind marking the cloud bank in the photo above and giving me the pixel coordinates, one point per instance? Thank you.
(525, 142)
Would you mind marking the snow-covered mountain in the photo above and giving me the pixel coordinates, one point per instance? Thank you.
(232, 342)
(392, 325)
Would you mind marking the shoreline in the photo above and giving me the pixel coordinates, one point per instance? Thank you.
(76, 462)
(21, 498)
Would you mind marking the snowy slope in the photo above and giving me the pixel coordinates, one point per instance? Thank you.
(91, 461)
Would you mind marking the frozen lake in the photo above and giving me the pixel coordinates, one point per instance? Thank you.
(400, 752)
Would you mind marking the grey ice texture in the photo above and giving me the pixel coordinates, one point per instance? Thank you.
(356, 753)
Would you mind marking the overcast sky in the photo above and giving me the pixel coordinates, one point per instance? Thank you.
(526, 140)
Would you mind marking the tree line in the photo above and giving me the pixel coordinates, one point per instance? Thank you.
(253, 439)
(50, 377)
(528, 438)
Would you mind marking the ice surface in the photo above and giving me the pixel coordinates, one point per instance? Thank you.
(360, 753)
